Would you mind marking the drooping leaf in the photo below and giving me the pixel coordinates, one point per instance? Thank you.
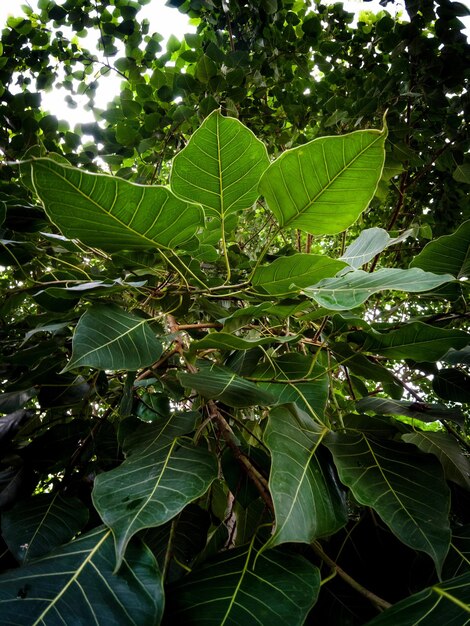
(323, 186)
(34, 527)
(109, 337)
(455, 464)
(457, 357)
(447, 254)
(307, 501)
(295, 377)
(162, 473)
(415, 410)
(452, 385)
(71, 585)
(219, 383)
(354, 288)
(228, 341)
(220, 167)
(416, 340)
(110, 213)
(275, 589)
(286, 275)
(446, 603)
(407, 490)
(370, 242)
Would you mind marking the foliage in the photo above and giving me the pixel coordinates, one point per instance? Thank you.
(229, 394)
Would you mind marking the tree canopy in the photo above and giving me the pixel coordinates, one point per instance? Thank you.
(234, 331)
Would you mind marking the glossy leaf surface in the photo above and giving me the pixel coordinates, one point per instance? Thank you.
(72, 584)
(108, 337)
(307, 502)
(352, 289)
(162, 473)
(276, 589)
(407, 491)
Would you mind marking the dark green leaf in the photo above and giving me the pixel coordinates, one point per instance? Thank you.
(452, 385)
(448, 254)
(415, 410)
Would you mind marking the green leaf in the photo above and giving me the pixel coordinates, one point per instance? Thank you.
(240, 586)
(219, 383)
(447, 449)
(359, 364)
(415, 410)
(370, 242)
(295, 377)
(34, 527)
(111, 213)
(462, 173)
(354, 288)
(220, 167)
(446, 603)
(289, 274)
(417, 341)
(205, 69)
(72, 585)
(447, 254)
(108, 337)
(407, 490)
(323, 186)
(452, 385)
(162, 473)
(307, 502)
(227, 341)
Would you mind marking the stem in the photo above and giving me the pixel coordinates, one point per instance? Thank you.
(377, 601)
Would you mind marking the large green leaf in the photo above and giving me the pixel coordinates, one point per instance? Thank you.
(370, 242)
(239, 586)
(109, 337)
(446, 603)
(448, 254)
(452, 384)
(307, 501)
(111, 213)
(287, 275)
(34, 527)
(295, 377)
(220, 167)
(219, 383)
(447, 449)
(417, 341)
(354, 288)
(323, 186)
(76, 585)
(407, 490)
(162, 473)
(415, 410)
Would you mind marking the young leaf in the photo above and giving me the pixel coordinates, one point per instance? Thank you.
(370, 242)
(220, 167)
(242, 587)
(288, 274)
(323, 186)
(108, 337)
(160, 476)
(110, 213)
(76, 585)
(407, 491)
(307, 501)
(354, 288)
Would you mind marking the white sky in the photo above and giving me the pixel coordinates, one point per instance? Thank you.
(164, 20)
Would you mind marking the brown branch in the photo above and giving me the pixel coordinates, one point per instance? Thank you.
(377, 601)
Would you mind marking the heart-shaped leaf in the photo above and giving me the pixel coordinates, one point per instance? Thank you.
(307, 502)
(409, 492)
(323, 186)
(110, 213)
(72, 585)
(160, 476)
(108, 337)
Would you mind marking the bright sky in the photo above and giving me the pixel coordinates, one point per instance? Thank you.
(164, 20)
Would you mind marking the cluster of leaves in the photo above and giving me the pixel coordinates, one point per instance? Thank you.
(224, 400)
